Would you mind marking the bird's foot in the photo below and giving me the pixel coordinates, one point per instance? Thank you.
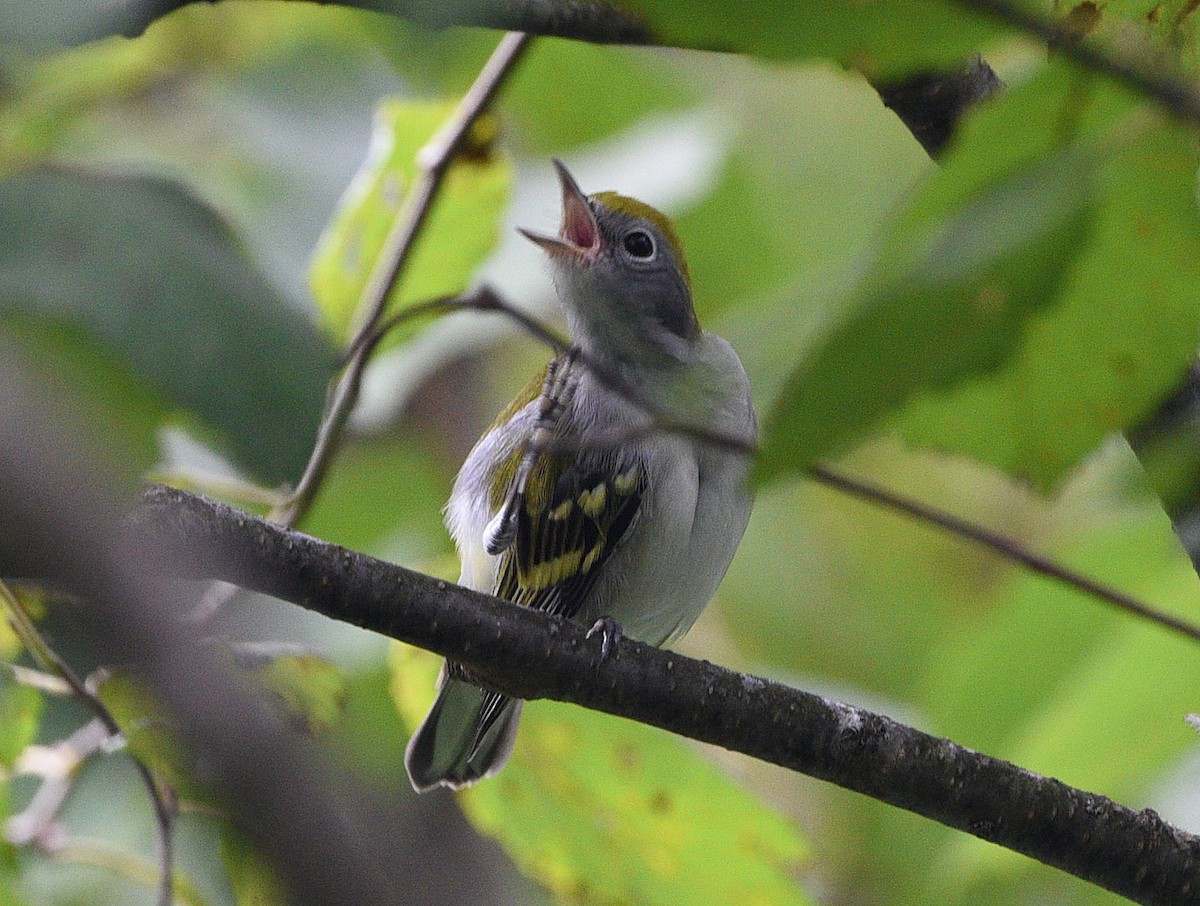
(610, 635)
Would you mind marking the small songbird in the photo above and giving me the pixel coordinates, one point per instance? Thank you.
(580, 499)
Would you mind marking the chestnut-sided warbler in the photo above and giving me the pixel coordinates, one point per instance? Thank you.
(577, 500)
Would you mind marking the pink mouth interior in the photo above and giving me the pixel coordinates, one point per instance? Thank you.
(578, 227)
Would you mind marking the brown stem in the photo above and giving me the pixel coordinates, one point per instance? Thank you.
(40, 649)
(433, 161)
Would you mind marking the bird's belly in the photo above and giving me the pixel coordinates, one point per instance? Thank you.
(657, 584)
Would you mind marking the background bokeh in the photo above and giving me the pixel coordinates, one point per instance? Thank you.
(161, 201)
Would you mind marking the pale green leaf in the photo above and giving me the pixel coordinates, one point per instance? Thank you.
(253, 881)
(461, 228)
(307, 689)
(20, 717)
(150, 734)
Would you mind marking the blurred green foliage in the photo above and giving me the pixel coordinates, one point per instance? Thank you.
(60, 263)
(251, 878)
(307, 689)
(20, 710)
(879, 38)
(976, 335)
(610, 811)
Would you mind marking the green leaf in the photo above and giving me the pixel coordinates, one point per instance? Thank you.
(308, 689)
(253, 881)
(605, 810)
(10, 644)
(461, 228)
(156, 277)
(882, 38)
(149, 732)
(948, 297)
(1118, 339)
(1034, 385)
(20, 717)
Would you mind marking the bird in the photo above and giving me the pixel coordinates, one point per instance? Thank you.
(613, 489)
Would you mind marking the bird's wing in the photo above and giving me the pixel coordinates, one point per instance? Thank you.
(560, 513)
(576, 509)
(575, 512)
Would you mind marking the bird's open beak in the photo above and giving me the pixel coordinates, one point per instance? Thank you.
(579, 235)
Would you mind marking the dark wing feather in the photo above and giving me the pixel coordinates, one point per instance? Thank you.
(576, 511)
(565, 514)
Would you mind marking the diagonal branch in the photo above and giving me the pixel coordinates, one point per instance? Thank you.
(531, 655)
(486, 299)
(1156, 79)
(434, 162)
(1006, 547)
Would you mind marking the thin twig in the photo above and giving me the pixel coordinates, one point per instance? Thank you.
(41, 651)
(57, 765)
(433, 161)
(489, 300)
(1002, 545)
(1155, 79)
(42, 680)
(364, 344)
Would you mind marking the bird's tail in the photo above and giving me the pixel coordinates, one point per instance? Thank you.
(467, 735)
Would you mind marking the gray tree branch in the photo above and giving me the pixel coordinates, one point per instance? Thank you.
(531, 655)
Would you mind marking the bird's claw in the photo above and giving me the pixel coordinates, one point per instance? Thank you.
(610, 635)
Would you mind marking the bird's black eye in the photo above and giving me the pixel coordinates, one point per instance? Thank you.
(639, 244)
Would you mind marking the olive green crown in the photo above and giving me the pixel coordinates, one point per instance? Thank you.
(623, 204)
